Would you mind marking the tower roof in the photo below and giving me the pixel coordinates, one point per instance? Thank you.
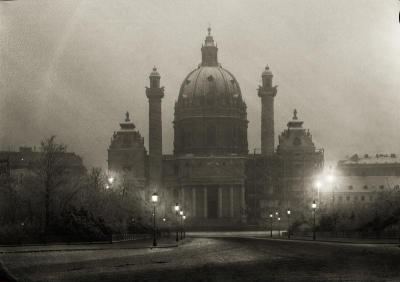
(267, 72)
(155, 73)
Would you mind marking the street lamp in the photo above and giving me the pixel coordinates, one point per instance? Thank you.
(181, 214)
(110, 180)
(177, 220)
(183, 226)
(288, 224)
(314, 207)
(279, 227)
(154, 199)
(271, 216)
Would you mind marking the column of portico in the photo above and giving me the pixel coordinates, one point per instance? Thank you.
(182, 198)
(193, 202)
(219, 202)
(242, 198)
(205, 203)
(231, 214)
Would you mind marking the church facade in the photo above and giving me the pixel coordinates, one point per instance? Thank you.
(211, 173)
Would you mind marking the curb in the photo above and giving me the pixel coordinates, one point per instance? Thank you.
(86, 249)
(5, 273)
(327, 241)
(163, 247)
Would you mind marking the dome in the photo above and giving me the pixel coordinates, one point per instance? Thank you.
(205, 81)
(210, 114)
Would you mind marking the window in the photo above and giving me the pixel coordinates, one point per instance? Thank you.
(355, 198)
(340, 198)
(371, 198)
(381, 187)
(296, 141)
(127, 168)
(188, 139)
(126, 140)
(350, 187)
(348, 198)
(211, 135)
(183, 136)
(362, 198)
(365, 187)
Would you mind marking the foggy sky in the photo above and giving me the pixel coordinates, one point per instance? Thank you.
(72, 68)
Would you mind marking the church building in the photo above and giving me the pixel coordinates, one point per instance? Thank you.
(211, 173)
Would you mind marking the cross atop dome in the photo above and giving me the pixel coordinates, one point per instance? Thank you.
(209, 39)
(209, 51)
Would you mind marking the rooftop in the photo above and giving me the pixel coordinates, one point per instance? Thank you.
(371, 159)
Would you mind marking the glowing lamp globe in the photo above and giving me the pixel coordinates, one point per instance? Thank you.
(154, 198)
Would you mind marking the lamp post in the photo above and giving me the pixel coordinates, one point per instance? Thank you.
(314, 207)
(133, 226)
(288, 224)
(279, 227)
(181, 214)
(177, 220)
(271, 216)
(154, 199)
(183, 226)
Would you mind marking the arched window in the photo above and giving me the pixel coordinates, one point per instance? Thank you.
(235, 136)
(211, 135)
(188, 139)
(183, 138)
(240, 136)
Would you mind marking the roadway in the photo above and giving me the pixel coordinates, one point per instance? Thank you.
(229, 258)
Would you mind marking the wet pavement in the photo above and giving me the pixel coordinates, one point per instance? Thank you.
(229, 258)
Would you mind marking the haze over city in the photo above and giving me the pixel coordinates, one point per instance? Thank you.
(73, 68)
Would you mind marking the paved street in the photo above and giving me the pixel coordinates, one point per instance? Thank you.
(211, 259)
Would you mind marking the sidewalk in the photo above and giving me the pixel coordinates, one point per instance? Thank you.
(345, 240)
(266, 235)
(137, 244)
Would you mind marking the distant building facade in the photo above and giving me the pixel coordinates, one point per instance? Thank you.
(211, 173)
(359, 180)
(25, 162)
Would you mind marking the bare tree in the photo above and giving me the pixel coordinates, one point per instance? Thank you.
(51, 170)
